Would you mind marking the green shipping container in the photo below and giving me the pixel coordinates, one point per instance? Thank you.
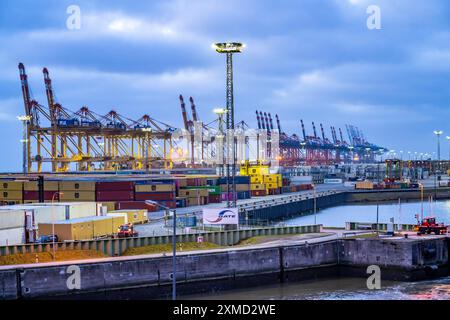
(214, 190)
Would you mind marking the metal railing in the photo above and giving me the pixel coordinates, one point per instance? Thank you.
(116, 247)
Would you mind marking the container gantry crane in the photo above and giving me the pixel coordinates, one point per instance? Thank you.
(62, 138)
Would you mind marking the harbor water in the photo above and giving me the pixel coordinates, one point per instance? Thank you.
(402, 212)
(355, 288)
(340, 289)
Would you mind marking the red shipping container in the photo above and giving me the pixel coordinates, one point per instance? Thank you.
(156, 196)
(115, 195)
(34, 195)
(259, 193)
(214, 198)
(114, 186)
(124, 205)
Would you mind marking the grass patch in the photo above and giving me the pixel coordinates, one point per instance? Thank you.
(66, 255)
(362, 236)
(161, 248)
(261, 239)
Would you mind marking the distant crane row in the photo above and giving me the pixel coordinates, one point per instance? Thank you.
(315, 150)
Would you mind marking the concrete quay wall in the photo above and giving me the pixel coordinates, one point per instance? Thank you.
(401, 259)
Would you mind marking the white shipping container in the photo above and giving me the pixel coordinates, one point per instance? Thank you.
(74, 210)
(12, 218)
(12, 236)
(42, 212)
(297, 180)
(333, 181)
(350, 184)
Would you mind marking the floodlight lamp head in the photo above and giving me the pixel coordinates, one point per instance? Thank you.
(228, 47)
(220, 111)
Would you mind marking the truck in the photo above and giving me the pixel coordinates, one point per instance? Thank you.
(126, 231)
(429, 225)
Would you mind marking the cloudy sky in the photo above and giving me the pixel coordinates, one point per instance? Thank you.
(314, 60)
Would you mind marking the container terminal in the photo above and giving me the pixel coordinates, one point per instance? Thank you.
(109, 183)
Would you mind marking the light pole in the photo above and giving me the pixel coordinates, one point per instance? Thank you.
(315, 204)
(351, 153)
(174, 245)
(229, 49)
(220, 112)
(421, 200)
(147, 142)
(448, 139)
(303, 144)
(53, 223)
(438, 134)
(25, 121)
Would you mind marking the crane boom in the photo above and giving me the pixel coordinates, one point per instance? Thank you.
(267, 122)
(323, 132)
(184, 113)
(271, 122)
(278, 123)
(303, 130)
(258, 119)
(25, 89)
(314, 129)
(262, 120)
(194, 110)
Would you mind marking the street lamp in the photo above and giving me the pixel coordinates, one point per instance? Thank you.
(174, 245)
(53, 222)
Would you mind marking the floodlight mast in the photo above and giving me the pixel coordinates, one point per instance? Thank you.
(229, 49)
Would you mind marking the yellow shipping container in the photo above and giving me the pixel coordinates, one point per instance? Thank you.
(11, 186)
(155, 188)
(279, 180)
(133, 216)
(110, 206)
(193, 193)
(78, 196)
(270, 178)
(117, 221)
(242, 187)
(33, 186)
(102, 227)
(255, 187)
(76, 185)
(256, 179)
(271, 186)
(193, 202)
(67, 230)
(364, 185)
(258, 170)
(11, 195)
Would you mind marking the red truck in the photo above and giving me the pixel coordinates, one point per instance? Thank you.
(126, 231)
(429, 225)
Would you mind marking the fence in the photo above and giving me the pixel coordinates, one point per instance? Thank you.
(116, 247)
(380, 227)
